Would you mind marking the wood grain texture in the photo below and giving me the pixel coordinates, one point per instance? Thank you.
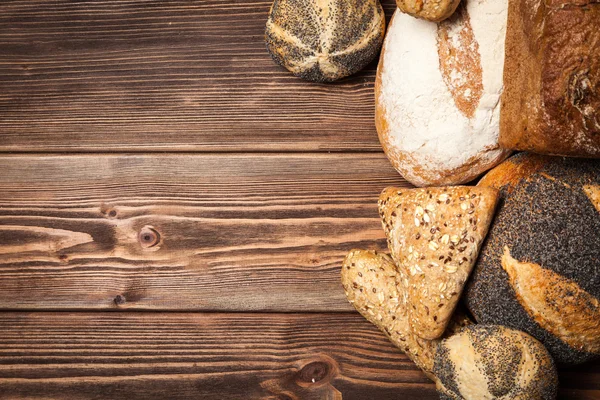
(165, 75)
(202, 356)
(232, 231)
(214, 356)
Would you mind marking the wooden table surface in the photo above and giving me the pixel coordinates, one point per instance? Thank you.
(174, 209)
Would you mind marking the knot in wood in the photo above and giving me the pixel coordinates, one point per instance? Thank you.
(119, 299)
(314, 372)
(148, 237)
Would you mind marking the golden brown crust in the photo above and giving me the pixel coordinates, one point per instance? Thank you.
(556, 303)
(372, 285)
(431, 10)
(513, 170)
(551, 99)
(434, 237)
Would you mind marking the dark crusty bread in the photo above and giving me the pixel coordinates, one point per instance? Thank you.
(494, 362)
(539, 268)
(324, 40)
(551, 99)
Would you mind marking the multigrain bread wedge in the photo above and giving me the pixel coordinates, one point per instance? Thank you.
(434, 236)
(373, 286)
(494, 362)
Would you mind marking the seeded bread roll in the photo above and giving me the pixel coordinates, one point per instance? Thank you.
(494, 362)
(437, 94)
(434, 236)
(431, 10)
(551, 100)
(373, 286)
(539, 269)
(324, 40)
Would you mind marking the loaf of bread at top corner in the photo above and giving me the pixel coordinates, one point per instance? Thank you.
(539, 269)
(324, 40)
(551, 100)
(438, 91)
(431, 10)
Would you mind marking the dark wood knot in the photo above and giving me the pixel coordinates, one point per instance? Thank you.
(314, 372)
(119, 299)
(148, 237)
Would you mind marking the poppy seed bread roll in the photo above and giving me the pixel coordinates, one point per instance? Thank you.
(324, 40)
(539, 268)
(494, 362)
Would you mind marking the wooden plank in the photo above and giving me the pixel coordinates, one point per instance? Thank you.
(214, 356)
(201, 356)
(235, 231)
(165, 75)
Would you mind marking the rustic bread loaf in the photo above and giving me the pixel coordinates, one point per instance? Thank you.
(539, 269)
(551, 100)
(373, 285)
(324, 40)
(494, 362)
(437, 94)
(434, 236)
(431, 10)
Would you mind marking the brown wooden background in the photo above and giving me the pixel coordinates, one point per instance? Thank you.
(174, 209)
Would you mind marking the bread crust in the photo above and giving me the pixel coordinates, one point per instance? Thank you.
(324, 40)
(431, 10)
(551, 99)
(548, 218)
(408, 166)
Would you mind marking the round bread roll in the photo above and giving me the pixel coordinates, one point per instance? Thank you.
(324, 40)
(494, 362)
(438, 93)
(539, 269)
(431, 10)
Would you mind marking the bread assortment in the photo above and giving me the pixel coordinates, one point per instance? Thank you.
(551, 99)
(493, 362)
(324, 40)
(434, 236)
(437, 94)
(458, 88)
(539, 270)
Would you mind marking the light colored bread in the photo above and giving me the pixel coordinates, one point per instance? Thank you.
(551, 101)
(431, 10)
(324, 40)
(373, 286)
(434, 236)
(494, 362)
(538, 270)
(437, 94)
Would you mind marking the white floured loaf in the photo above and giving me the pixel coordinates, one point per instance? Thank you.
(438, 94)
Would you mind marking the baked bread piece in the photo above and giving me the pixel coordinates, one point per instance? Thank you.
(373, 286)
(431, 10)
(539, 269)
(434, 236)
(494, 362)
(324, 40)
(437, 94)
(551, 99)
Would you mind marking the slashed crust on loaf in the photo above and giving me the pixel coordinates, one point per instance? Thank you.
(459, 66)
(551, 101)
(324, 40)
(372, 284)
(431, 10)
(556, 303)
(434, 236)
(494, 362)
